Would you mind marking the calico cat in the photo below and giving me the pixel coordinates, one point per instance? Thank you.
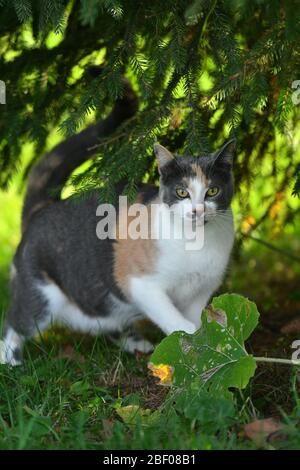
(63, 273)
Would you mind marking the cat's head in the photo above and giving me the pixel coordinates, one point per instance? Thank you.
(196, 187)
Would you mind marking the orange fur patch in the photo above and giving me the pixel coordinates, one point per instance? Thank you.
(199, 174)
(133, 257)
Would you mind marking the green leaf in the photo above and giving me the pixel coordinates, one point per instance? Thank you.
(214, 358)
(79, 388)
(212, 415)
(134, 414)
(39, 425)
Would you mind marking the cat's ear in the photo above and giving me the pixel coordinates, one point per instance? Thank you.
(163, 156)
(226, 154)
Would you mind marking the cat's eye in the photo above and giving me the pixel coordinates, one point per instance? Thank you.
(182, 193)
(211, 192)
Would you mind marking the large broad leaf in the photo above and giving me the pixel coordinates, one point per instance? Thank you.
(197, 405)
(214, 358)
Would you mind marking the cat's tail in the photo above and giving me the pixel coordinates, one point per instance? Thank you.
(52, 171)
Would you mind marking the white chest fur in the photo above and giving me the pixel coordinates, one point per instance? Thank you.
(185, 273)
(182, 281)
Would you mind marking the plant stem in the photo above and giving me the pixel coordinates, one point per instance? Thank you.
(277, 360)
(272, 247)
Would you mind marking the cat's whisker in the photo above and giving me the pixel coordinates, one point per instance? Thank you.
(225, 227)
(221, 221)
(220, 216)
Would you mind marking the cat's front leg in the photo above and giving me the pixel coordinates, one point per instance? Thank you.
(157, 306)
(194, 310)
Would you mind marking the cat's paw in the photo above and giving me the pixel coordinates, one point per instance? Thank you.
(132, 343)
(187, 327)
(8, 356)
(141, 345)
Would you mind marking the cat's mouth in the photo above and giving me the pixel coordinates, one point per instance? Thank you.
(195, 219)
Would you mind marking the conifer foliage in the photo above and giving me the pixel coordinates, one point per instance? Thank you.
(203, 69)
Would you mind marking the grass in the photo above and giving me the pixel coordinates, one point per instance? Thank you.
(72, 389)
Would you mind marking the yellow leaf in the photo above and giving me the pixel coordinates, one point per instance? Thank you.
(176, 118)
(262, 430)
(163, 371)
(275, 209)
(131, 414)
(247, 223)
